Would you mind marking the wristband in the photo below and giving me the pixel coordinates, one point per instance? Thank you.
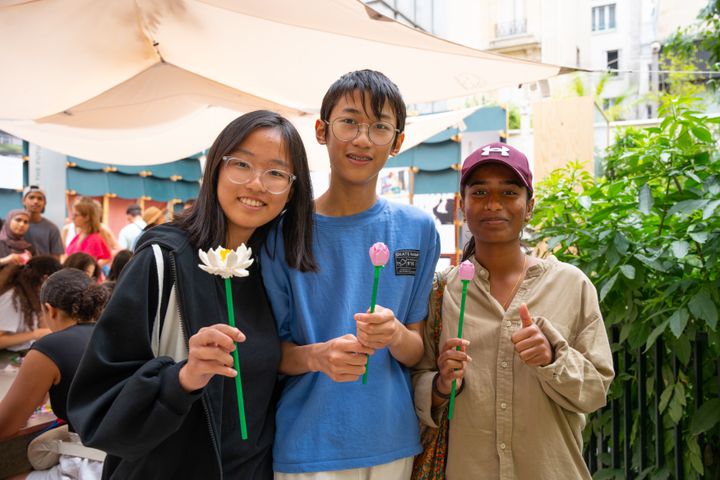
(444, 396)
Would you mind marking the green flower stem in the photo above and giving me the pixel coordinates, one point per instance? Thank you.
(373, 299)
(460, 325)
(236, 361)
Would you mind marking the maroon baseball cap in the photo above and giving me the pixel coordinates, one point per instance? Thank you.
(503, 154)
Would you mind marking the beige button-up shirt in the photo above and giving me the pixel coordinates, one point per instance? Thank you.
(513, 421)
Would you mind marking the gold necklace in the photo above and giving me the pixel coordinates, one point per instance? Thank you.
(517, 284)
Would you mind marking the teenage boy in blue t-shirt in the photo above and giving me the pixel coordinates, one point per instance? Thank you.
(327, 420)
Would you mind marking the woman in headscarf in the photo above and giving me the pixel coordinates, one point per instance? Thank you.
(14, 249)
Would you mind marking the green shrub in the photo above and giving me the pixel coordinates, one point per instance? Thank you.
(648, 236)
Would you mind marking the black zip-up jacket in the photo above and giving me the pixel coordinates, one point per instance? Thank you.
(130, 404)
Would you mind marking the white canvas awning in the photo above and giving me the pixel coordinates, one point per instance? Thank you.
(102, 80)
(191, 134)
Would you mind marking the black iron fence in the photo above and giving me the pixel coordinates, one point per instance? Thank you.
(632, 437)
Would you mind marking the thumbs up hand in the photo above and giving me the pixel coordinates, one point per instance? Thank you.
(530, 343)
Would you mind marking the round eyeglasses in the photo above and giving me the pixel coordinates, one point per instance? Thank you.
(347, 129)
(240, 172)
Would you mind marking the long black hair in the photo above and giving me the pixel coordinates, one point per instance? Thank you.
(205, 221)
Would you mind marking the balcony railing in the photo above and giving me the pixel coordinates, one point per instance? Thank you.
(508, 29)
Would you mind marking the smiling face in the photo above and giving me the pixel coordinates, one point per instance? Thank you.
(20, 224)
(357, 161)
(250, 205)
(495, 204)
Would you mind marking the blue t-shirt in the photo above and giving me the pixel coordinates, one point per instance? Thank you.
(323, 425)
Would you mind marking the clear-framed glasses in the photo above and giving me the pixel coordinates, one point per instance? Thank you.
(346, 130)
(240, 171)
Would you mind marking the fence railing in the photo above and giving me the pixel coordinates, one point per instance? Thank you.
(629, 438)
(514, 27)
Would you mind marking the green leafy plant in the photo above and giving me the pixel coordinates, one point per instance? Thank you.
(648, 236)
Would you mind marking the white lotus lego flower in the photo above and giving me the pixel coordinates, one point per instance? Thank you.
(226, 262)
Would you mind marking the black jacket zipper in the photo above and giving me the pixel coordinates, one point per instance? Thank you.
(206, 408)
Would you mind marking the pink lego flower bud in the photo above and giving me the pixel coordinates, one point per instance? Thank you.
(24, 257)
(467, 270)
(379, 254)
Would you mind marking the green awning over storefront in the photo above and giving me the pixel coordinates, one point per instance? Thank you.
(188, 168)
(99, 183)
(125, 186)
(428, 156)
(87, 182)
(157, 181)
(442, 181)
(9, 200)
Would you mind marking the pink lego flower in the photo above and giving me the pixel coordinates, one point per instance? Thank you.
(467, 270)
(25, 257)
(379, 254)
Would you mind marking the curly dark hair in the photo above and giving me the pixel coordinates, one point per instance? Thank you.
(73, 292)
(25, 282)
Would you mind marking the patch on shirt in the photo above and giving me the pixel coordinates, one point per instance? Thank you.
(406, 262)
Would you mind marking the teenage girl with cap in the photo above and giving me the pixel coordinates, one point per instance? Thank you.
(534, 357)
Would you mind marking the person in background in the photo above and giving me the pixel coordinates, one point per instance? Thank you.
(153, 217)
(85, 262)
(187, 204)
(43, 234)
(86, 217)
(534, 357)
(116, 267)
(20, 302)
(69, 231)
(131, 232)
(118, 264)
(14, 247)
(167, 415)
(70, 304)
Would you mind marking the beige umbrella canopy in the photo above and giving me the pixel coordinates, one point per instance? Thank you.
(117, 75)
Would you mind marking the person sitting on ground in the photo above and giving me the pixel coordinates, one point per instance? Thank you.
(14, 247)
(86, 216)
(70, 304)
(153, 217)
(129, 234)
(43, 234)
(20, 302)
(86, 263)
